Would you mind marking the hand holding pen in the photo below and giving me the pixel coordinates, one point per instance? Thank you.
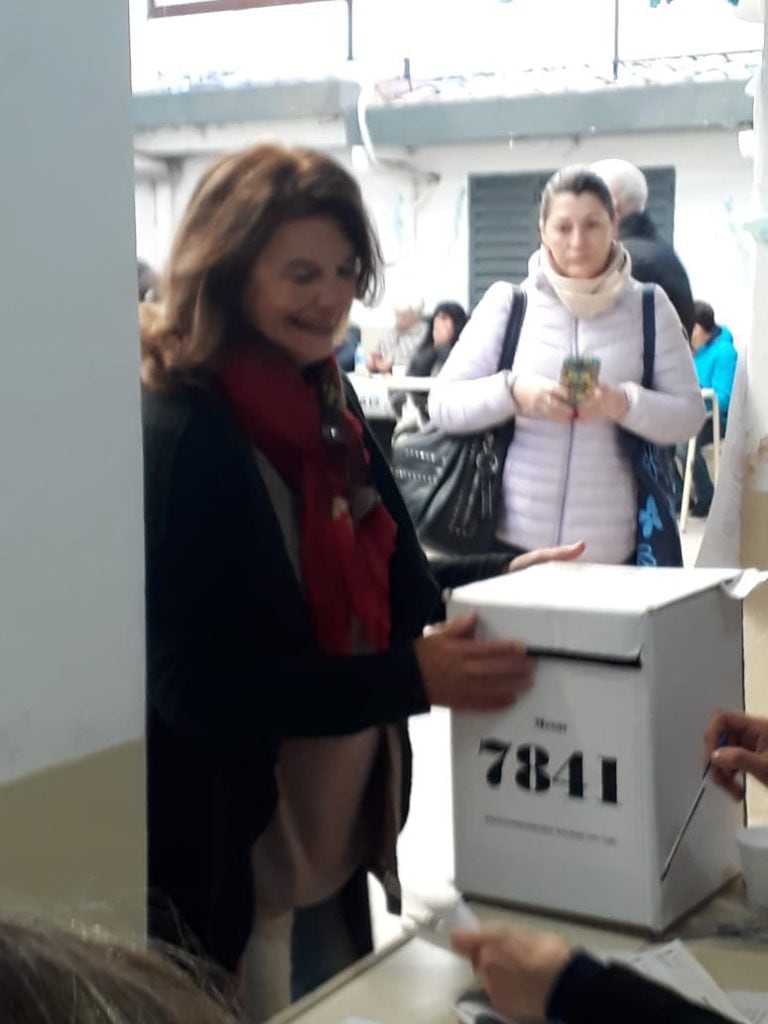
(745, 749)
(720, 740)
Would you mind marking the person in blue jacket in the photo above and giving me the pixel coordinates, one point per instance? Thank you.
(714, 357)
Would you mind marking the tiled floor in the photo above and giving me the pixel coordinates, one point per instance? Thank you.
(426, 845)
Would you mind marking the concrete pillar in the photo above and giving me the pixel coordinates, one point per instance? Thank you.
(71, 540)
(754, 508)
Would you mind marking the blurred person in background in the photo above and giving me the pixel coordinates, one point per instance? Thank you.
(443, 330)
(441, 334)
(715, 357)
(653, 260)
(397, 345)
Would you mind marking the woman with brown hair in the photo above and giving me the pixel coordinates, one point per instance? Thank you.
(286, 590)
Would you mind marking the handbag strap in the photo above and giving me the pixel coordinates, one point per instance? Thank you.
(649, 334)
(514, 324)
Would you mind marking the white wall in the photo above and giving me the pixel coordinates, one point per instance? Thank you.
(713, 189)
(71, 544)
(428, 248)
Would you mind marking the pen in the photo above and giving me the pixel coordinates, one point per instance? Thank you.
(722, 739)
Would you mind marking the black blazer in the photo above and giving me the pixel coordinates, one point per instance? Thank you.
(233, 666)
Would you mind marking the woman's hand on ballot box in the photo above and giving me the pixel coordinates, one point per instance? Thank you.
(745, 749)
(517, 967)
(465, 674)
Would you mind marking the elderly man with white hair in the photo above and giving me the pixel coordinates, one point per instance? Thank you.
(653, 260)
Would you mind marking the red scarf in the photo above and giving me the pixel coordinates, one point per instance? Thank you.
(347, 537)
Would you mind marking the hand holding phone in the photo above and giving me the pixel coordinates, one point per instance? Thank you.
(579, 374)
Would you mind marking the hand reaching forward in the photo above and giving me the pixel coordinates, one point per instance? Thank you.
(564, 553)
(541, 398)
(517, 968)
(465, 674)
(745, 749)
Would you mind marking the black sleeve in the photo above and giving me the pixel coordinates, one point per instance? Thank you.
(678, 288)
(231, 653)
(662, 267)
(419, 366)
(588, 992)
(457, 570)
(422, 361)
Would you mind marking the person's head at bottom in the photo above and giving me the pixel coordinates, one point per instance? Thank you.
(67, 975)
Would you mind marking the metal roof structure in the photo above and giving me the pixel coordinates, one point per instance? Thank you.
(670, 93)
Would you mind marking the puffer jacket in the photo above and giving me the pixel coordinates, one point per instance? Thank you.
(565, 482)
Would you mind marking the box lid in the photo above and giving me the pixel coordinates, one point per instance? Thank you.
(581, 608)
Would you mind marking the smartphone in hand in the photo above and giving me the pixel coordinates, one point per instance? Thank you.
(579, 374)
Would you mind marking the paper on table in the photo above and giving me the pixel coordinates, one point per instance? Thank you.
(474, 1007)
(754, 1005)
(674, 966)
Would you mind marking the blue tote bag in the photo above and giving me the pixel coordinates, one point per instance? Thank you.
(658, 538)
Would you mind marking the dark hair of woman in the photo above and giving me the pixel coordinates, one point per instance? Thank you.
(576, 180)
(704, 315)
(428, 354)
(458, 315)
(233, 212)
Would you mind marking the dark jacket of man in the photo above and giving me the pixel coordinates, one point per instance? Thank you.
(655, 262)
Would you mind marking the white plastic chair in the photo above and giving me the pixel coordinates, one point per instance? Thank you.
(714, 412)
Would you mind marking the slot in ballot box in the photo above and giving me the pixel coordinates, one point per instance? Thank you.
(571, 800)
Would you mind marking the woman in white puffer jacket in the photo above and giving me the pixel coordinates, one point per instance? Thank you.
(565, 476)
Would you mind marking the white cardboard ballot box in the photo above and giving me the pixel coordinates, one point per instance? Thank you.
(572, 799)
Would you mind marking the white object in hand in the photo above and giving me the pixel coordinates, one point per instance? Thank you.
(442, 913)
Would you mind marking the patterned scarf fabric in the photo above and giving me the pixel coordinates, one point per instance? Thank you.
(300, 422)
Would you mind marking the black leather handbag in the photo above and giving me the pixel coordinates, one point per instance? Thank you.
(451, 484)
